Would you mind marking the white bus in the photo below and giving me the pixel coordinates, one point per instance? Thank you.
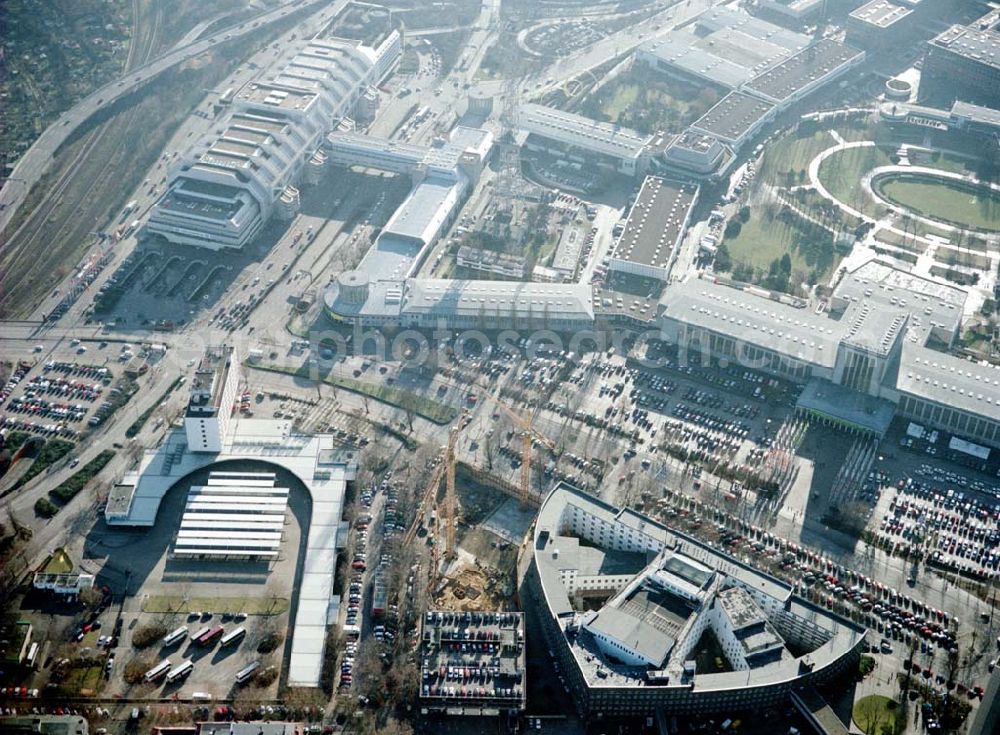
(232, 636)
(158, 671)
(201, 632)
(176, 636)
(32, 656)
(246, 672)
(180, 671)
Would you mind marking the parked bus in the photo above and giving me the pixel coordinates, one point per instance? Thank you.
(244, 674)
(158, 671)
(233, 636)
(209, 636)
(32, 656)
(180, 671)
(176, 636)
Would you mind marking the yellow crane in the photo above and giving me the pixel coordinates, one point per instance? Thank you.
(528, 435)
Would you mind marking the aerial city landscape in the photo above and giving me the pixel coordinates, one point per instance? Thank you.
(502, 366)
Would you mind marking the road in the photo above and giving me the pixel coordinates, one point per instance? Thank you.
(37, 159)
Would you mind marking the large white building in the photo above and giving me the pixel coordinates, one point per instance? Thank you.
(622, 149)
(228, 185)
(210, 405)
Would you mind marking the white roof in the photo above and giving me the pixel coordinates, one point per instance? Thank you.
(565, 127)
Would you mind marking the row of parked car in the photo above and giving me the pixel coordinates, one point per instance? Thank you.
(15, 378)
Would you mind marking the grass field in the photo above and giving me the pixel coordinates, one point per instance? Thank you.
(946, 201)
(876, 715)
(792, 153)
(649, 103)
(166, 604)
(85, 680)
(764, 239)
(841, 174)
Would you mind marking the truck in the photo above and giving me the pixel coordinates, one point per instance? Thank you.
(129, 208)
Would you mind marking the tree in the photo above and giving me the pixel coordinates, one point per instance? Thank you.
(744, 214)
(786, 263)
(723, 260)
(733, 229)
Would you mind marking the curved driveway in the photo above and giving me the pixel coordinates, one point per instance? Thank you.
(866, 183)
(36, 160)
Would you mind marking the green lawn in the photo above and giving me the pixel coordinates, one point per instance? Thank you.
(841, 174)
(764, 239)
(793, 154)
(946, 201)
(876, 715)
(623, 96)
(82, 681)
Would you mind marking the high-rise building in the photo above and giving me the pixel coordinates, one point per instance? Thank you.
(210, 407)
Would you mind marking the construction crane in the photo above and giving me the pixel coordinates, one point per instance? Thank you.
(528, 435)
(449, 492)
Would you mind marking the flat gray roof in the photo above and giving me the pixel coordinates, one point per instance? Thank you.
(931, 304)
(656, 222)
(880, 13)
(733, 116)
(565, 127)
(976, 113)
(633, 632)
(951, 381)
(970, 43)
(498, 299)
(725, 46)
(823, 57)
(799, 334)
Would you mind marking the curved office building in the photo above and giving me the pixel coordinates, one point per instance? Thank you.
(662, 590)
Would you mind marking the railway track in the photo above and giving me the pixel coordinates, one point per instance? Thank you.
(35, 238)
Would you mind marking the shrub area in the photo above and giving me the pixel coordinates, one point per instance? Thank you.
(67, 490)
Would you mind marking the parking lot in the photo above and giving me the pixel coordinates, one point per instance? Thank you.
(62, 398)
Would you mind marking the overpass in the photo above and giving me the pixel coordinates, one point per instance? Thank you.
(37, 159)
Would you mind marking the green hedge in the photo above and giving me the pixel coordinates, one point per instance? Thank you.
(67, 490)
(137, 425)
(51, 452)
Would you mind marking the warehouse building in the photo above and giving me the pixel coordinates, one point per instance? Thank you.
(624, 602)
(229, 184)
(724, 47)
(654, 230)
(793, 13)
(236, 515)
(880, 24)
(735, 119)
